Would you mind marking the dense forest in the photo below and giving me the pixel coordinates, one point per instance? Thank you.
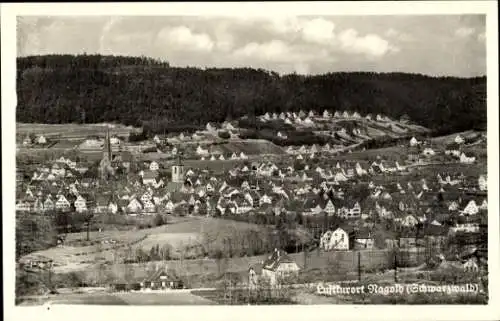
(134, 90)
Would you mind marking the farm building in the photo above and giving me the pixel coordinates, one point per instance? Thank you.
(276, 267)
(162, 279)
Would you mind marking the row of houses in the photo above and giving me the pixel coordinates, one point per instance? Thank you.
(311, 116)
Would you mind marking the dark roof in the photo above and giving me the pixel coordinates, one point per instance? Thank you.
(275, 259)
(173, 187)
(150, 174)
(156, 275)
(364, 234)
(435, 230)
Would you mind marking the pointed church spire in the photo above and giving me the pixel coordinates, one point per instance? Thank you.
(107, 144)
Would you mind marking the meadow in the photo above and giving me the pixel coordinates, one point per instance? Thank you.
(179, 234)
(71, 130)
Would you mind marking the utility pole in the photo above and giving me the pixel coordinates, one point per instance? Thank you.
(395, 267)
(359, 266)
(50, 275)
(230, 291)
(304, 250)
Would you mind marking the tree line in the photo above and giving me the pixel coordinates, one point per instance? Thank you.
(134, 90)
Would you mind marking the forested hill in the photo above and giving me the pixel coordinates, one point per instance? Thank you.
(93, 88)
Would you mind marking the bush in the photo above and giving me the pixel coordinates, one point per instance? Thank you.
(137, 137)
(224, 135)
(159, 220)
(149, 150)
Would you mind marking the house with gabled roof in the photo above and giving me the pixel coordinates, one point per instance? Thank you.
(329, 207)
(161, 279)
(471, 208)
(149, 177)
(363, 239)
(467, 158)
(409, 221)
(23, 206)
(279, 266)
(338, 239)
(80, 204)
(134, 206)
(61, 204)
(483, 183)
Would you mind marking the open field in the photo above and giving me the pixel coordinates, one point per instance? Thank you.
(72, 130)
(178, 234)
(165, 298)
(448, 139)
(168, 298)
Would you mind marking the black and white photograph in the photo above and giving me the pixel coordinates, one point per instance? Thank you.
(177, 159)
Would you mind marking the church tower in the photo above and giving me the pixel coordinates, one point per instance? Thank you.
(178, 175)
(105, 169)
(107, 146)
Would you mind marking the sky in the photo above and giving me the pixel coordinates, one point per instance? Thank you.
(437, 45)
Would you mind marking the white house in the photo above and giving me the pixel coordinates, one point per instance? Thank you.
(41, 140)
(483, 183)
(154, 166)
(329, 208)
(459, 139)
(134, 206)
(471, 265)
(409, 221)
(467, 160)
(429, 152)
(279, 266)
(336, 240)
(112, 207)
(471, 208)
(149, 206)
(27, 140)
(80, 204)
(265, 199)
(202, 152)
(467, 227)
(414, 142)
(282, 136)
(23, 206)
(62, 203)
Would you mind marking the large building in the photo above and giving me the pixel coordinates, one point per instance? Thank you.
(105, 168)
(178, 173)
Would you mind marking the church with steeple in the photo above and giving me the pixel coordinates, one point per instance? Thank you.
(178, 175)
(105, 168)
